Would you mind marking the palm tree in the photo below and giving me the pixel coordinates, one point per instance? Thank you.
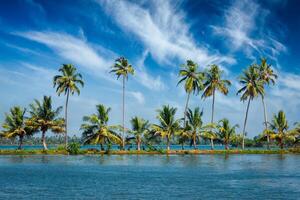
(67, 83)
(210, 132)
(168, 125)
(15, 126)
(226, 132)
(280, 127)
(122, 68)
(44, 118)
(213, 83)
(140, 127)
(252, 87)
(193, 81)
(194, 125)
(268, 76)
(97, 131)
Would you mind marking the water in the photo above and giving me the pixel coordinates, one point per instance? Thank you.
(150, 177)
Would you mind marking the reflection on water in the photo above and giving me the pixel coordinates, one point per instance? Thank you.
(150, 176)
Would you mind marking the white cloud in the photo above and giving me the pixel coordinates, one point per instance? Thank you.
(163, 31)
(138, 96)
(244, 26)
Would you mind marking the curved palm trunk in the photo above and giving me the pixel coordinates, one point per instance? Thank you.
(20, 142)
(245, 122)
(266, 122)
(44, 140)
(66, 119)
(186, 107)
(213, 107)
(212, 144)
(123, 115)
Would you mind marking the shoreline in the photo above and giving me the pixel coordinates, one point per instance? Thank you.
(161, 152)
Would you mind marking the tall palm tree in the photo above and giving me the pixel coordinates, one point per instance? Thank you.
(226, 132)
(168, 125)
(195, 123)
(280, 127)
(97, 131)
(140, 127)
(214, 82)
(268, 76)
(15, 126)
(252, 87)
(44, 118)
(124, 69)
(67, 83)
(193, 81)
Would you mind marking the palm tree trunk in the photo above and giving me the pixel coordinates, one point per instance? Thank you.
(138, 144)
(212, 143)
(226, 146)
(213, 107)
(66, 119)
(186, 107)
(44, 140)
(266, 122)
(245, 122)
(123, 115)
(194, 142)
(168, 144)
(20, 142)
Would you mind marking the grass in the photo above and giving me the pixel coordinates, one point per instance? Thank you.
(61, 151)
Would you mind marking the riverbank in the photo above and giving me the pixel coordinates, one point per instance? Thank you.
(135, 152)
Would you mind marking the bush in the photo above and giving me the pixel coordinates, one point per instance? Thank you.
(73, 148)
(61, 147)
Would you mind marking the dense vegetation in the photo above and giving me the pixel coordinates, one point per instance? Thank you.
(22, 125)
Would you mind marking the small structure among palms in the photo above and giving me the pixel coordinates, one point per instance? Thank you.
(67, 83)
(124, 69)
(168, 125)
(44, 118)
(15, 125)
(97, 131)
(140, 127)
(192, 81)
(252, 86)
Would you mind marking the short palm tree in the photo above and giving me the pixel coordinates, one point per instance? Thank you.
(252, 86)
(209, 131)
(280, 127)
(97, 131)
(124, 69)
(67, 83)
(15, 126)
(168, 125)
(194, 121)
(140, 127)
(214, 82)
(192, 81)
(226, 132)
(268, 76)
(44, 118)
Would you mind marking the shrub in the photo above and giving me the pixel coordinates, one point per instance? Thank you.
(73, 148)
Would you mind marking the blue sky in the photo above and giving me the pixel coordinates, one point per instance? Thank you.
(36, 37)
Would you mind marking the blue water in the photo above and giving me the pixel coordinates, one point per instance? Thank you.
(150, 177)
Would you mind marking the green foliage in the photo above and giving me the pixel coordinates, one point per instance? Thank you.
(73, 148)
(122, 68)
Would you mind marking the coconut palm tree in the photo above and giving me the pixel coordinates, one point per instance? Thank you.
(44, 118)
(124, 69)
(67, 82)
(15, 126)
(194, 125)
(140, 127)
(192, 81)
(168, 125)
(214, 82)
(97, 131)
(209, 131)
(280, 127)
(268, 76)
(226, 132)
(252, 86)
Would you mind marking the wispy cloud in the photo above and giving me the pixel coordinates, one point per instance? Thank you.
(244, 27)
(163, 31)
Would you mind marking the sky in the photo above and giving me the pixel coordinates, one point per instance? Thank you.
(156, 36)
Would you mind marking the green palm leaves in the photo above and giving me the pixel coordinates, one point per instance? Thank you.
(95, 129)
(44, 118)
(226, 132)
(124, 69)
(194, 126)
(68, 82)
(15, 125)
(168, 125)
(140, 128)
(279, 126)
